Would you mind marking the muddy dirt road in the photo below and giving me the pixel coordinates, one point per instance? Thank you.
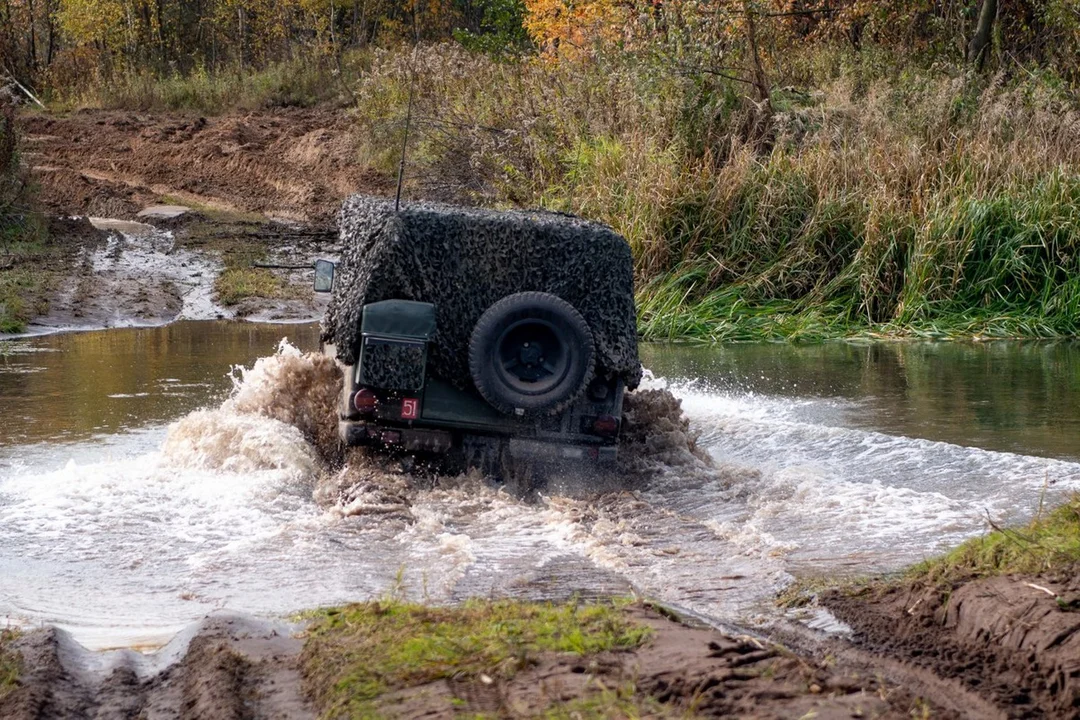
(262, 187)
(291, 165)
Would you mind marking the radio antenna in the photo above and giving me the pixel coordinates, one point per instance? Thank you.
(408, 114)
(404, 143)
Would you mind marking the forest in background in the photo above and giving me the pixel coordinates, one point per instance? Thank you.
(782, 168)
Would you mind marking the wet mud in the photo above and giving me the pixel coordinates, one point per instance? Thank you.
(290, 164)
(684, 668)
(228, 667)
(1013, 640)
(261, 187)
(233, 667)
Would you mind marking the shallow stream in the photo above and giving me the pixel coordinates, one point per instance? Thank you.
(829, 458)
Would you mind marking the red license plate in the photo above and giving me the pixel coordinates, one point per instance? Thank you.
(410, 409)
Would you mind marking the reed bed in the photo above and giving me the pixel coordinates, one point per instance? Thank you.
(922, 202)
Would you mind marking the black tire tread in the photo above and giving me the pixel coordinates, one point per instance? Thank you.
(494, 315)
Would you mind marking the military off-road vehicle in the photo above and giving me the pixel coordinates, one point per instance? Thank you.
(501, 339)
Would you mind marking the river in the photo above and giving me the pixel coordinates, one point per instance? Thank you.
(835, 458)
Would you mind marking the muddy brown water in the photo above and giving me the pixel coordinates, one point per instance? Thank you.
(133, 501)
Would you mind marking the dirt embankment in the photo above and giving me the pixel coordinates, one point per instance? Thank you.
(265, 187)
(233, 667)
(290, 164)
(1014, 640)
(227, 668)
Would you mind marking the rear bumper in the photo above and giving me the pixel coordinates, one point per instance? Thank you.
(558, 453)
(408, 439)
(425, 440)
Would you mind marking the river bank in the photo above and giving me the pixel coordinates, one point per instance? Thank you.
(492, 659)
(1000, 614)
(178, 214)
(808, 242)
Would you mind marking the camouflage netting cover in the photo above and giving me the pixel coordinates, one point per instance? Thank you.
(463, 260)
(394, 366)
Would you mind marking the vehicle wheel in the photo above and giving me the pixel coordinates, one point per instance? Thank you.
(531, 354)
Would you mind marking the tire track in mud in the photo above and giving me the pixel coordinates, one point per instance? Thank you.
(229, 667)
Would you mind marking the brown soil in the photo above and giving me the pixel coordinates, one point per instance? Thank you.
(682, 669)
(1014, 640)
(237, 667)
(275, 178)
(286, 163)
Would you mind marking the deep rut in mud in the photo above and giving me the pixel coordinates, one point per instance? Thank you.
(229, 667)
(1012, 640)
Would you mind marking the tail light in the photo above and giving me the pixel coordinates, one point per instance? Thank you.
(365, 401)
(606, 426)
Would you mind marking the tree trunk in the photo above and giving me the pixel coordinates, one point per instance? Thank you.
(162, 55)
(51, 27)
(759, 132)
(8, 43)
(980, 43)
(31, 57)
(354, 31)
(761, 80)
(240, 33)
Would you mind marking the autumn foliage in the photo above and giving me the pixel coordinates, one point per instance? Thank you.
(66, 42)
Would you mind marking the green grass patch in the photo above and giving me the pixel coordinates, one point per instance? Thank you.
(239, 283)
(10, 663)
(1049, 542)
(356, 653)
(23, 296)
(216, 215)
(240, 239)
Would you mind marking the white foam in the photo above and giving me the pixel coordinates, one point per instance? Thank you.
(836, 492)
(141, 530)
(240, 443)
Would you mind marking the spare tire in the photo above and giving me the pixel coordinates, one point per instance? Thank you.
(531, 353)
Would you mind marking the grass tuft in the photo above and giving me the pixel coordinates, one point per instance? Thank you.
(23, 296)
(238, 283)
(1049, 542)
(356, 653)
(10, 663)
(303, 82)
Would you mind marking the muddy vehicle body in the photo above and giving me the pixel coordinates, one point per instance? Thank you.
(497, 340)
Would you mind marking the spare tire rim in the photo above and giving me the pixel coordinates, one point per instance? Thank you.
(530, 356)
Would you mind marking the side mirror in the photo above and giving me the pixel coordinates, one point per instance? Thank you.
(324, 276)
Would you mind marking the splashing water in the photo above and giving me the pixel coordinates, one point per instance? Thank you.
(252, 505)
